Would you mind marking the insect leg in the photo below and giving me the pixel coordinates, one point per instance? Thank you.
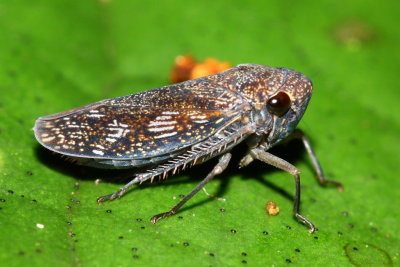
(298, 134)
(277, 162)
(219, 168)
(120, 192)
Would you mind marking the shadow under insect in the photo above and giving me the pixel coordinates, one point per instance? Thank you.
(292, 152)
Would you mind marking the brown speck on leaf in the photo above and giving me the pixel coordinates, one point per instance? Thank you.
(354, 33)
(272, 208)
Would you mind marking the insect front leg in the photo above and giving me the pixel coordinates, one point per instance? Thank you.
(219, 168)
(260, 154)
(299, 134)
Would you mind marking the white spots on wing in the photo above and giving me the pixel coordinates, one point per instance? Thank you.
(96, 115)
(198, 117)
(118, 131)
(161, 129)
(158, 123)
(111, 140)
(161, 118)
(73, 126)
(98, 152)
(170, 112)
(165, 135)
(48, 139)
(93, 111)
(100, 146)
(163, 123)
(66, 118)
(200, 121)
(114, 124)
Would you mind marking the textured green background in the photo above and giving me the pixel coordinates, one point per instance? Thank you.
(56, 55)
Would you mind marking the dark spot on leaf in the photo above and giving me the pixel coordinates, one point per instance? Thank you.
(134, 249)
(350, 225)
(29, 173)
(181, 196)
(265, 233)
(288, 261)
(288, 227)
(345, 213)
(244, 254)
(121, 237)
(374, 229)
(34, 200)
(142, 227)
(69, 223)
(365, 254)
(39, 250)
(297, 250)
(222, 210)
(315, 237)
(21, 253)
(2, 200)
(340, 233)
(211, 254)
(10, 192)
(244, 261)
(108, 211)
(186, 244)
(139, 219)
(233, 231)
(71, 234)
(180, 217)
(135, 256)
(68, 207)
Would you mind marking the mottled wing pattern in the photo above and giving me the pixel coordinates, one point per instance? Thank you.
(143, 125)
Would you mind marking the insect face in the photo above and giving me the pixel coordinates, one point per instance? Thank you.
(279, 100)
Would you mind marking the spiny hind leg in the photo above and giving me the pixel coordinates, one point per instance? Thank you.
(121, 191)
(219, 168)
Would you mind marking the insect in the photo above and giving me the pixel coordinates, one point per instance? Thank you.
(168, 129)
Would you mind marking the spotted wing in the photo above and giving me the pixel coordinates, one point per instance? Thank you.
(143, 125)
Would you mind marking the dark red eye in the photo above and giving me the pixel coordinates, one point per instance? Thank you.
(279, 104)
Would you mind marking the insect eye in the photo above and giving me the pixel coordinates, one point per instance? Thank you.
(279, 104)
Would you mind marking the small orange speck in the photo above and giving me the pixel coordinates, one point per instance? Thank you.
(272, 208)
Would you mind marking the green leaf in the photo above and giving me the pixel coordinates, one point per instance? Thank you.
(59, 54)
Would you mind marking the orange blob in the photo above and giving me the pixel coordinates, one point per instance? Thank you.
(186, 68)
(272, 208)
